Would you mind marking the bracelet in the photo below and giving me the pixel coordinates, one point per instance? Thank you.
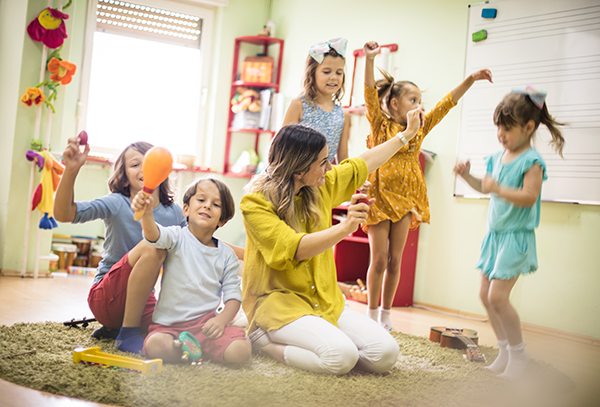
(403, 139)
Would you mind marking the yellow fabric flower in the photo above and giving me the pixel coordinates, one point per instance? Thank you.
(33, 95)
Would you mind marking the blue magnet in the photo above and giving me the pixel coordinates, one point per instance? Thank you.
(488, 13)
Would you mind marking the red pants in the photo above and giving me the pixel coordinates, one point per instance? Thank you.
(213, 349)
(107, 298)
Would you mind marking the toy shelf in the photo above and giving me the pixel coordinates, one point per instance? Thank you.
(268, 46)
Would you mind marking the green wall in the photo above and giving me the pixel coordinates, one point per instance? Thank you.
(431, 37)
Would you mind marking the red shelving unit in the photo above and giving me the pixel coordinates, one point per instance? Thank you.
(268, 44)
(352, 258)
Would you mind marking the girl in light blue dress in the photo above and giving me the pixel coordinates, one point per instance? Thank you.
(319, 106)
(514, 179)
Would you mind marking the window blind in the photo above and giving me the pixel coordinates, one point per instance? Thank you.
(152, 23)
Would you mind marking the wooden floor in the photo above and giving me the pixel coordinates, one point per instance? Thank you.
(64, 297)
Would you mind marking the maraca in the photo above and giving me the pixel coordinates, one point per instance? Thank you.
(83, 138)
(158, 163)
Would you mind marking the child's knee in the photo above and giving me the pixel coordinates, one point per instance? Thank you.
(159, 345)
(238, 351)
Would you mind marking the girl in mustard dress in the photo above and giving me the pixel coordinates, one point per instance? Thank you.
(398, 186)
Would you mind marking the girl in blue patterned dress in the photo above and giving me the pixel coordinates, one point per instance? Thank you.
(514, 178)
(319, 106)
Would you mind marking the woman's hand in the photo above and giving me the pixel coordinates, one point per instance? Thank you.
(482, 74)
(73, 157)
(371, 49)
(462, 169)
(357, 211)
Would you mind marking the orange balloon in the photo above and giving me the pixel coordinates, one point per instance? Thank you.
(157, 166)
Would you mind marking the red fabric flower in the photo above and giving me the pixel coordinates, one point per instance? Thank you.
(49, 28)
(62, 71)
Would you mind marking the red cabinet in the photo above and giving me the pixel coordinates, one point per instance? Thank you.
(352, 258)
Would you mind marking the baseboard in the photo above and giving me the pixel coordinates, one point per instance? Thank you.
(451, 311)
(28, 274)
(551, 332)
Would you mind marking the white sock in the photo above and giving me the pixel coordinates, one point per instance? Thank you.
(373, 313)
(518, 359)
(501, 361)
(385, 317)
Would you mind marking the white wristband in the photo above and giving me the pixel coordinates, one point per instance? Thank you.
(403, 139)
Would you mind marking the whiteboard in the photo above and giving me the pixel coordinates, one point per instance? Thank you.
(553, 45)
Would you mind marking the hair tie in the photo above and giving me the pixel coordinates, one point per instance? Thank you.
(317, 51)
(538, 97)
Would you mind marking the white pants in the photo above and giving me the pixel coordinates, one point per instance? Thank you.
(318, 346)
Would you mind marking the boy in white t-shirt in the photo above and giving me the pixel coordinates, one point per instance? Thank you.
(198, 272)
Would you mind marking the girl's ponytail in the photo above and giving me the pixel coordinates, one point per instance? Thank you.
(383, 88)
(558, 141)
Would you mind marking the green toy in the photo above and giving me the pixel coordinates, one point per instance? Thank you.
(190, 346)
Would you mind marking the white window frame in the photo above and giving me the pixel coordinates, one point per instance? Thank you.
(205, 12)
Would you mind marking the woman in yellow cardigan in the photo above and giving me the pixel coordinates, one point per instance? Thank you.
(296, 312)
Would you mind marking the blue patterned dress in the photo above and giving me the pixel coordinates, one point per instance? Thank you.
(330, 124)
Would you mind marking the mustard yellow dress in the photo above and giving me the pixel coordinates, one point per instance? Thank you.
(398, 186)
(277, 289)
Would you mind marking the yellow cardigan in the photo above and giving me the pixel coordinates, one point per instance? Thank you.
(276, 289)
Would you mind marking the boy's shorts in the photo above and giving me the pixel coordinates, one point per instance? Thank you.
(213, 349)
(107, 298)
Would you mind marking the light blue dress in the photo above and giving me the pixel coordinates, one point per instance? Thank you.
(330, 124)
(508, 249)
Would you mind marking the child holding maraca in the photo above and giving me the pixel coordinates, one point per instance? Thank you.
(198, 272)
(113, 301)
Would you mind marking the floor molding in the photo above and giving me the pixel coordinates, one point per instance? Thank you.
(552, 332)
(28, 274)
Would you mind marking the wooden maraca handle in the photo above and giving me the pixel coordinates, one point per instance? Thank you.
(138, 214)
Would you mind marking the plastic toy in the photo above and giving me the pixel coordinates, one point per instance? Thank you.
(158, 163)
(190, 346)
(75, 324)
(93, 357)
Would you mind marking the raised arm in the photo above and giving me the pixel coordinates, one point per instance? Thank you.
(371, 50)
(65, 208)
(460, 90)
(293, 114)
(143, 202)
(313, 244)
(378, 155)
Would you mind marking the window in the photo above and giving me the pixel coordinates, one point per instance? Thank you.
(146, 74)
